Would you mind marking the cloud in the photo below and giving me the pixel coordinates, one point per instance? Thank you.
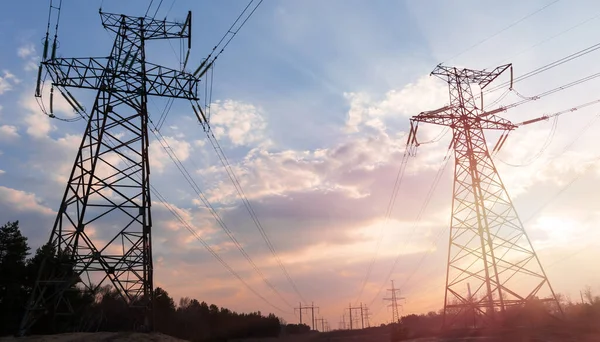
(159, 157)
(38, 125)
(240, 123)
(26, 50)
(24, 202)
(427, 93)
(7, 81)
(2, 172)
(8, 132)
(27, 53)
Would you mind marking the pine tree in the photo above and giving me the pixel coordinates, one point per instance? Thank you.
(13, 271)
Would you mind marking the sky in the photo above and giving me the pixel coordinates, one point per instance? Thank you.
(311, 104)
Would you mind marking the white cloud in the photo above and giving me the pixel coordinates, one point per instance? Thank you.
(159, 158)
(8, 132)
(2, 172)
(7, 81)
(27, 53)
(26, 50)
(241, 123)
(38, 125)
(22, 201)
(427, 93)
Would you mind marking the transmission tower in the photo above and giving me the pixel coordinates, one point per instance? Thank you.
(488, 246)
(393, 299)
(103, 229)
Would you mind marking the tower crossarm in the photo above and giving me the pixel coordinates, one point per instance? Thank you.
(153, 28)
(90, 72)
(480, 77)
(451, 118)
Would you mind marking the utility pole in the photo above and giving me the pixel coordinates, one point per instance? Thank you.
(350, 309)
(312, 308)
(488, 246)
(342, 323)
(395, 297)
(322, 320)
(367, 315)
(299, 308)
(312, 312)
(362, 317)
(109, 185)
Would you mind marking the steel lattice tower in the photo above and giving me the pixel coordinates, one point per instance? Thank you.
(103, 229)
(488, 246)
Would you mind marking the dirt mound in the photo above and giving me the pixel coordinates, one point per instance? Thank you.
(97, 337)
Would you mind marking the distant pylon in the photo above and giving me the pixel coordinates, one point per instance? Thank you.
(393, 299)
(488, 246)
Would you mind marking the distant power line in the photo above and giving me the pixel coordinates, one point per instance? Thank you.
(502, 30)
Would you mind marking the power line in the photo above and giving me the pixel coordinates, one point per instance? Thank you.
(388, 212)
(157, 8)
(170, 8)
(549, 38)
(428, 197)
(212, 251)
(148, 9)
(546, 67)
(538, 154)
(503, 30)
(227, 37)
(234, 179)
(214, 213)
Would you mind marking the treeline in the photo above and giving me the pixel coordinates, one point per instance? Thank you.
(537, 317)
(106, 311)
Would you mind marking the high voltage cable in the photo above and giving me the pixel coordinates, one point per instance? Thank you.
(546, 67)
(157, 8)
(417, 220)
(390, 206)
(538, 154)
(148, 9)
(231, 33)
(227, 37)
(182, 169)
(222, 157)
(212, 251)
(548, 39)
(428, 197)
(397, 183)
(502, 30)
(225, 162)
(526, 99)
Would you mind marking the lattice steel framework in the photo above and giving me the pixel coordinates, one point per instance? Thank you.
(103, 229)
(489, 250)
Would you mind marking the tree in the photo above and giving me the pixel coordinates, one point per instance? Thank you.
(164, 311)
(13, 293)
(105, 309)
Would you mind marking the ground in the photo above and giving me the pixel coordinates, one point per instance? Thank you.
(96, 337)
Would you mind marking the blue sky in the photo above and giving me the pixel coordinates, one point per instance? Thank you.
(311, 103)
